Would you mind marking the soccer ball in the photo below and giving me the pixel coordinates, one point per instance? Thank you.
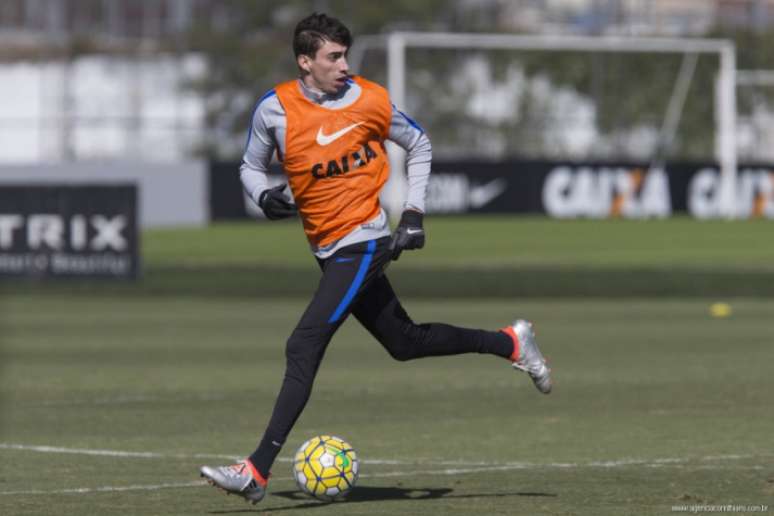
(325, 467)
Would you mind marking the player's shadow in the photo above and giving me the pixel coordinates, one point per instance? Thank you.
(373, 494)
(377, 494)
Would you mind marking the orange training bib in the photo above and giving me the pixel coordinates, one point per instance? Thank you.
(335, 159)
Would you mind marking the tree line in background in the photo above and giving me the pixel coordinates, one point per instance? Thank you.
(551, 105)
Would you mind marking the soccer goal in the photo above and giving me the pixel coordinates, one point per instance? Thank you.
(556, 116)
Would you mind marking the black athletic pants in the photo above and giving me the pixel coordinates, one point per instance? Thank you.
(353, 281)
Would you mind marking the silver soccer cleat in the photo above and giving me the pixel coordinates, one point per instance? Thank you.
(530, 359)
(237, 479)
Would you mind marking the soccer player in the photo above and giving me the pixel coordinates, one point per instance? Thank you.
(328, 129)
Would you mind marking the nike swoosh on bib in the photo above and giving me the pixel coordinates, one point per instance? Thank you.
(325, 139)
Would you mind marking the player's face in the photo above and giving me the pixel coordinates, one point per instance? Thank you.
(328, 70)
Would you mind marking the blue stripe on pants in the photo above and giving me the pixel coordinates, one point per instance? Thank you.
(355, 286)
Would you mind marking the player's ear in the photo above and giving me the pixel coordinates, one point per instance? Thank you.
(304, 63)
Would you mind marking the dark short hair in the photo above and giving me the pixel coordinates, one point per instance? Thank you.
(313, 31)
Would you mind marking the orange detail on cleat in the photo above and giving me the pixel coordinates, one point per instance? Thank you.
(256, 474)
(508, 330)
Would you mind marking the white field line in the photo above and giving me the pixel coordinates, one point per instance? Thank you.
(114, 453)
(512, 467)
(105, 489)
(156, 455)
(389, 474)
(421, 462)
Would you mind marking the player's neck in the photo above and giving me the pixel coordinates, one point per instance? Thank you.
(317, 95)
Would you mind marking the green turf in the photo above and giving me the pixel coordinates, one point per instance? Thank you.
(656, 404)
(493, 241)
(490, 256)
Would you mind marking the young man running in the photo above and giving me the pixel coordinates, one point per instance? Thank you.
(328, 130)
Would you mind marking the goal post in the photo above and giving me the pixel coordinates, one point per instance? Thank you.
(397, 43)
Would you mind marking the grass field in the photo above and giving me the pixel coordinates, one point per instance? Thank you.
(503, 257)
(494, 241)
(110, 402)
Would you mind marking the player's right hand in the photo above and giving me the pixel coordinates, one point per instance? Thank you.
(275, 204)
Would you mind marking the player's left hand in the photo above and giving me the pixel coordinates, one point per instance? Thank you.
(409, 234)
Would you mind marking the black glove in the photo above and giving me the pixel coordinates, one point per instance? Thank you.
(409, 234)
(275, 204)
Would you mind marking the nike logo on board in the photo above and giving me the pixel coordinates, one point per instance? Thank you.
(325, 139)
(483, 194)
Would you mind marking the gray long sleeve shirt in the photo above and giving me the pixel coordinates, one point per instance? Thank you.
(267, 135)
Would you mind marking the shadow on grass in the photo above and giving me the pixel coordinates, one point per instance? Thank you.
(378, 494)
